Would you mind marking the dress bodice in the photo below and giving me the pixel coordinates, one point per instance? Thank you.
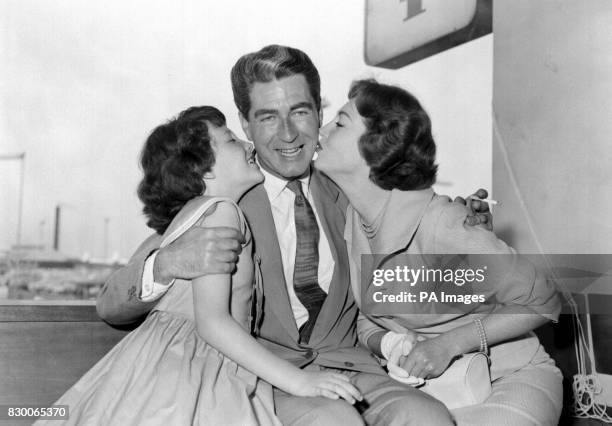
(179, 298)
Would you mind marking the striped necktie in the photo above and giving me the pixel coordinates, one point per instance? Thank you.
(305, 272)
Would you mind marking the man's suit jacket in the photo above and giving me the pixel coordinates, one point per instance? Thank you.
(334, 338)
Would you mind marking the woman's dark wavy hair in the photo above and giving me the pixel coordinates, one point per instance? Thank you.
(174, 159)
(397, 145)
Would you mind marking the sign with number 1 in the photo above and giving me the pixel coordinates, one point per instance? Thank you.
(399, 32)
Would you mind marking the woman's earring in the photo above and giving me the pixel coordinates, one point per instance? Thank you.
(209, 175)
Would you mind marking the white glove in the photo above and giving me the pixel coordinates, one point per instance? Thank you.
(394, 345)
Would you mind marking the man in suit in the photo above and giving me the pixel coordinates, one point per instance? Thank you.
(297, 220)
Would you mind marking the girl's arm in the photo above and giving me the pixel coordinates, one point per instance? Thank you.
(211, 294)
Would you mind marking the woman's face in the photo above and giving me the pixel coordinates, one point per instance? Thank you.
(339, 154)
(235, 170)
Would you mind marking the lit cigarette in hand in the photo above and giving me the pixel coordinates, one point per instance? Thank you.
(486, 200)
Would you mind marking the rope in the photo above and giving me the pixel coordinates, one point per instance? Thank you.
(585, 386)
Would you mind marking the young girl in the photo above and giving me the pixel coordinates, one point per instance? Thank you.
(193, 360)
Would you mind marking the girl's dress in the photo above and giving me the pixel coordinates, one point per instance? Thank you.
(163, 373)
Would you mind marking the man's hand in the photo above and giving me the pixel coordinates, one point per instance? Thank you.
(481, 214)
(199, 251)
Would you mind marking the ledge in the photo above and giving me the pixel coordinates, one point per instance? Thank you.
(48, 311)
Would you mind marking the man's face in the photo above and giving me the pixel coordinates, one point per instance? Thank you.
(283, 123)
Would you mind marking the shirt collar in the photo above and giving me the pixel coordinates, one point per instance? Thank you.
(274, 185)
(401, 219)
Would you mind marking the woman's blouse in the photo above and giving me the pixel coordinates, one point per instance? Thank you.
(414, 230)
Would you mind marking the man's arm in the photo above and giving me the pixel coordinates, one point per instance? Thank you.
(199, 251)
(119, 302)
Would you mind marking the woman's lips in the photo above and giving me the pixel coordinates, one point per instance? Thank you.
(251, 158)
(316, 153)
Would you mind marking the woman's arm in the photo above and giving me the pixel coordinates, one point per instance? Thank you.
(526, 300)
(390, 345)
(217, 327)
(370, 333)
(431, 357)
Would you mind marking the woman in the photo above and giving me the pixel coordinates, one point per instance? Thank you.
(380, 151)
(193, 360)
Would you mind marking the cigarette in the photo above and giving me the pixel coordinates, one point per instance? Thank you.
(486, 200)
(489, 200)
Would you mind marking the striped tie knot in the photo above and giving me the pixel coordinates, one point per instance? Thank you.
(295, 186)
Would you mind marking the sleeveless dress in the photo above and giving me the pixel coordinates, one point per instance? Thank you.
(163, 373)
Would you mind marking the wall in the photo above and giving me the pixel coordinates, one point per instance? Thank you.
(552, 153)
(552, 107)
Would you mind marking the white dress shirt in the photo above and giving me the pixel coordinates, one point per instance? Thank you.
(282, 201)
(150, 289)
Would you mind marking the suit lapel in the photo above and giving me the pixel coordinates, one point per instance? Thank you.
(332, 220)
(257, 209)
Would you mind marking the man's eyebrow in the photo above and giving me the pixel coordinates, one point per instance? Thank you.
(299, 105)
(261, 112)
(304, 104)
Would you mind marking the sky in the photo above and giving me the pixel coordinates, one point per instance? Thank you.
(83, 83)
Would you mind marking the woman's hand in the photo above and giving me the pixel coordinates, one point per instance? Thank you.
(394, 345)
(480, 212)
(429, 358)
(327, 384)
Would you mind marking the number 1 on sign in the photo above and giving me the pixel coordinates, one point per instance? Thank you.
(414, 8)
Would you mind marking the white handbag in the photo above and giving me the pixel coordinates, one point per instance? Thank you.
(466, 382)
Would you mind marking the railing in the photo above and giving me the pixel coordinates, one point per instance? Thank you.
(45, 347)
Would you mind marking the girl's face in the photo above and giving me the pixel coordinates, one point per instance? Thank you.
(235, 170)
(339, 154)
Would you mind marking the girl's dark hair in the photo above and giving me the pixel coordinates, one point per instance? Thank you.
(174, 159)
(398, 145)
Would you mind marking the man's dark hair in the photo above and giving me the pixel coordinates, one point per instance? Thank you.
(272, 63)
